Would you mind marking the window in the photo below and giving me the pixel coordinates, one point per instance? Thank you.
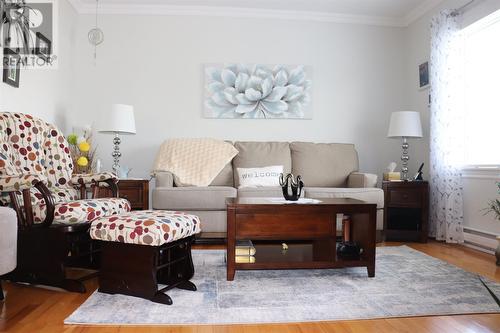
(482, 91)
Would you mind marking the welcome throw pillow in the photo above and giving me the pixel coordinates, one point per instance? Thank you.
(256, 177)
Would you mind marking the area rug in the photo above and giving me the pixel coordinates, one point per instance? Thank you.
(407, 283)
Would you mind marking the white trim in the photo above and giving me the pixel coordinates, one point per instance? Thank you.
(478, 248)
(476, 176)
(216, 11)
(481, 167)
(420, 11)
(480, 240)
(481, 172)
(77, 5)
(483, 232)
(482, 24)
(240, 13)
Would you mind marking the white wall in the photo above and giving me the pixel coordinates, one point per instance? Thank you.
(47, 93)
(361, 74)
(478, 188)
(155, 63)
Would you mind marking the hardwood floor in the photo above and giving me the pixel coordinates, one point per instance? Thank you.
(30, 309)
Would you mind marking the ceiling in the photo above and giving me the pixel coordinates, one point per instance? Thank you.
(378, 12)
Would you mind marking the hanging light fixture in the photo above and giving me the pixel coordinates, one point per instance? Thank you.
(96, 35)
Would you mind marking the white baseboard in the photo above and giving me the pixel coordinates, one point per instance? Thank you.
(480, 240)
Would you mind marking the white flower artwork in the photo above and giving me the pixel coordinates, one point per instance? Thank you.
(257, 91)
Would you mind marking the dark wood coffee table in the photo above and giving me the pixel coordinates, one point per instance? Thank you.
(309, 229)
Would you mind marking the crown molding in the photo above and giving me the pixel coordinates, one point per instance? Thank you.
(420, 11)
(237, 12)
(77, 5)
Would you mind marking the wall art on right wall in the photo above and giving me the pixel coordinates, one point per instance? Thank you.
(423, 74)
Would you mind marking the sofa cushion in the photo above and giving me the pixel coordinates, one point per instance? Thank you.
(192, 198)
(82, 211)
(261, 154)
(164, 179)
(370, 195)
(212, 221)
(259, 192)
(225, 177)
(323, 164)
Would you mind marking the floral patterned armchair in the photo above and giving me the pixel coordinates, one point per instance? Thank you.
(54, 207)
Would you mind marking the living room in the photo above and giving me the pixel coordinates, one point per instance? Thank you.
(357, 64)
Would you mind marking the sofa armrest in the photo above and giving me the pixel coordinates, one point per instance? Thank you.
(90, 178)
(164, 179)
(359, 179)
(20, 182)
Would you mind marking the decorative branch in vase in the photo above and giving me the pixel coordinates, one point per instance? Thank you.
(494, 207)
(82, 152)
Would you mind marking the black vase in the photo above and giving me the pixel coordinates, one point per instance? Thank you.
(295, 185)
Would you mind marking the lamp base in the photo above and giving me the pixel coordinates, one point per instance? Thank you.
(404, 159)
(116, 153)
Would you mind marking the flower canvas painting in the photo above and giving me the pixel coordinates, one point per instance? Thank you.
(257, 91)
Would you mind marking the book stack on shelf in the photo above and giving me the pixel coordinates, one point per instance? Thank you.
(245, 252)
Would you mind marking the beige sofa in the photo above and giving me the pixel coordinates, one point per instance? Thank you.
(328, 171)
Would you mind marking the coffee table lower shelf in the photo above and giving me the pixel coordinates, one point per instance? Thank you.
(298, 256)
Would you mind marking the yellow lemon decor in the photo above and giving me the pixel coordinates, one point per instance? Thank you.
(83, 153)
(84, 146)
(82, 161)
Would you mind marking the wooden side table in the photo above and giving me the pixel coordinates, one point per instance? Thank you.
(406, 211)
(136, 191)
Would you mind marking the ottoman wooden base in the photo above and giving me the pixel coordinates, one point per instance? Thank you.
(136, 270)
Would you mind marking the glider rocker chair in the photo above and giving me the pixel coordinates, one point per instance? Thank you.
(54, 207)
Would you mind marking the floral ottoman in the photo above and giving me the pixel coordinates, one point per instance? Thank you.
(141, 249)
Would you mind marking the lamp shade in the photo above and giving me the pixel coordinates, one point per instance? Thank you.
(120, 120)
(405, 124)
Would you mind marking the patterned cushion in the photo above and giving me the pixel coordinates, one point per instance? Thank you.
(19, 183)
(81, 211)
(150, 227)
(91, 178)
(31, 146)
(61, 195)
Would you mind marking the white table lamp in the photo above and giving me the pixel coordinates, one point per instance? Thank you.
(405, 124)
(120, 121)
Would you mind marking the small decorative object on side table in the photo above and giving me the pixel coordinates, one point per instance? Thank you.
(406, 211)
(136, 191)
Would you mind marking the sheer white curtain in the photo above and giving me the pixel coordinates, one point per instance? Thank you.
(447, 128)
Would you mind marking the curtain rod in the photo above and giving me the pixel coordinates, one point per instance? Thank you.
(458, 10)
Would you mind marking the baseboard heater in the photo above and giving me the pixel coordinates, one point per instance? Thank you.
(480, 240)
